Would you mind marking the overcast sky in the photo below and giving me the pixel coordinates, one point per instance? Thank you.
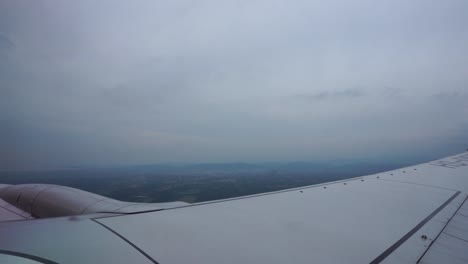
(100, 83)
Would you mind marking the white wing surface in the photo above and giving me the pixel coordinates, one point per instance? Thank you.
(416, 214)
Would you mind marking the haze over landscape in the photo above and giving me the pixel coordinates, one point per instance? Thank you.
(116, 83)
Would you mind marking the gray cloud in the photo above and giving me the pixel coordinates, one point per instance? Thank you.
(451, 95)
(333, 95)
(6, 43)
(121, 83)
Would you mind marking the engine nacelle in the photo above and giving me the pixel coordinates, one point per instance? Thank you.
(46, 200)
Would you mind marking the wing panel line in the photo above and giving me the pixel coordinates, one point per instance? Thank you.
(128, 241)
(420, 184)
(27, 256)
(442, 231)
(402, 240)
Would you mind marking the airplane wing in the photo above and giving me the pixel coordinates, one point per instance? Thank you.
(417, 214)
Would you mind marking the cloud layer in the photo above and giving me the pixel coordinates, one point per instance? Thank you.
(116, 82)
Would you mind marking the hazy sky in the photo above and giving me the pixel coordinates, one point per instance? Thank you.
(129, 82)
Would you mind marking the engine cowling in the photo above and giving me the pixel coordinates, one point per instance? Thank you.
(47, 200)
